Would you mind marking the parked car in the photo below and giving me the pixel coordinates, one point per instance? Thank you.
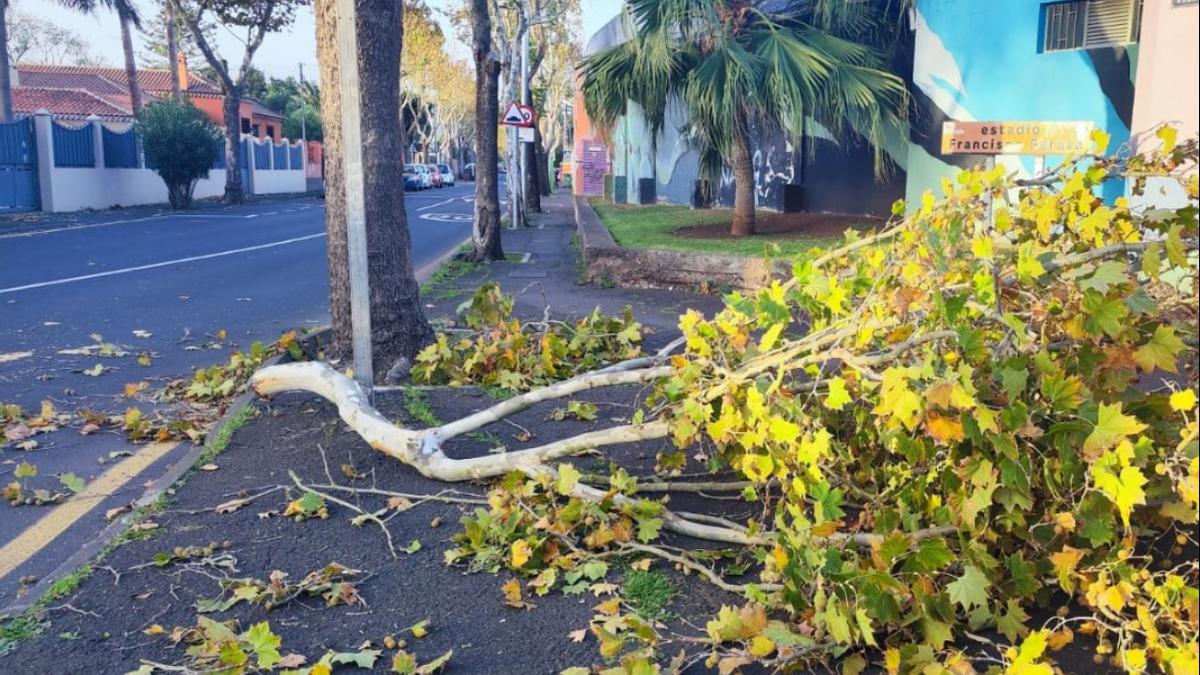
(435, 174)
(447, 175)
(423, 174)
(412, 180)
(468, 172)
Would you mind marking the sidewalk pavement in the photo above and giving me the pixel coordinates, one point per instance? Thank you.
(552, 276)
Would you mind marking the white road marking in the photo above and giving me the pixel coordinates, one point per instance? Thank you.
(165, 263)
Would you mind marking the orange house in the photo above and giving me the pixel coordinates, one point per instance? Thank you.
(107, 91)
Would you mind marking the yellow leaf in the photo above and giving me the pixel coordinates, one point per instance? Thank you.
(981, 247)
(757, 467)
(1059, 639)
(155, 629)
(783, 431)
(761, 646)
(520, 553)
(512, 593)
(838, 397)
(891, 660)
(1183, 400)
(1167, 134)
(944, 429)
(1100, 141)
(1065, 562)
(1065, 520)
(1026, 661)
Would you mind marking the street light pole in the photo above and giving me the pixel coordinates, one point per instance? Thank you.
(303, 115)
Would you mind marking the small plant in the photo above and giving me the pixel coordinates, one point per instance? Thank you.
(647, 593)
(180, 143)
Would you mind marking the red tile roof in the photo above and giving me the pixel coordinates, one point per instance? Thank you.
(66, 103)
(105, 81)
(261, 110)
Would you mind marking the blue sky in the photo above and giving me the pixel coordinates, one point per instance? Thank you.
(280, 54)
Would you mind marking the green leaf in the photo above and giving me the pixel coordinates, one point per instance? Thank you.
(1107, 275)
(969, 590)
(1111, 426)
(1014, 381)
(1176, 252)
(413, 547)
(1161, 351)
(1012, 622)
(1103, 315)
(264, 644)
(25, 470)
(72, 482)
(311, 502)
(568, 477)
(648, 529)
(931, 555)
(361, 659)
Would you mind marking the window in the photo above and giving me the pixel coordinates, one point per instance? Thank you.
(245, 125)
(270, 131)
(1086, 24)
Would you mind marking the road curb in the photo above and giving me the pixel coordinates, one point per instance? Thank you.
(156, 489)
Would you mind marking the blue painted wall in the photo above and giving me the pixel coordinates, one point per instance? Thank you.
(970, 60)
(982, 60)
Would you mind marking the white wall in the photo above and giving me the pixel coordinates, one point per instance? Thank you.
(75, 189)
(272, 182)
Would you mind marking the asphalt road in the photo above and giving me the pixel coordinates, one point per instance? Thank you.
(165, 285)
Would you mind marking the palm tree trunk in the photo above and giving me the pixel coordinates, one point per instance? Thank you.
(6, 109)
(173, 52)
(485, 233)
(135, 89)
(743, 185)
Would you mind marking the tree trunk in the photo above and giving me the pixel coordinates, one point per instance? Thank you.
(135, 89)
(233, 140)
(336, 248)
(485, 232)
(743, 184)
(398, 326)
(173, 51)
(6, 109)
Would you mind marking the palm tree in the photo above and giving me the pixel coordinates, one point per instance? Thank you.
(739, 66)
(128, 15)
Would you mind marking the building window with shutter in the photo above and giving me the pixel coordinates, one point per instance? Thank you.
(1087, 24)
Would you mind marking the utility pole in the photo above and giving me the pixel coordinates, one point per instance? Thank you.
(303, 115)
(521, 159)
(356, 215)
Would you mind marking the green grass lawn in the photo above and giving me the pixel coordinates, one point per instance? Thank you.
(652, 226)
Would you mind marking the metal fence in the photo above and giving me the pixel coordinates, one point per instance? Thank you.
(281, 156)
(262, 155)
(73, 147)
(296, 152)
(18, 167)
(219, 154)
(120, 148)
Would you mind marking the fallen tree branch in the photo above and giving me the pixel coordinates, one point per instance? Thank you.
(712, 577)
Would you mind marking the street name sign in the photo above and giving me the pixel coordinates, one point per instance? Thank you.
(1016, 138)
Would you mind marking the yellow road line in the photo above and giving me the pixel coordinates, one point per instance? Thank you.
(27, 544)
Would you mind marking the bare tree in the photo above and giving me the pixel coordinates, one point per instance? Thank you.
(257, 17)
(398, 326)
(485, 235)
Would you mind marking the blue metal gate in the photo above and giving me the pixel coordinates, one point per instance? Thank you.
(18, 167)
(243, 148)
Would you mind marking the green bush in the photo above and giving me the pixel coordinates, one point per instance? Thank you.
(179, 142)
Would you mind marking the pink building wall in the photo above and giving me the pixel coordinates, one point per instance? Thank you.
(1166, 88)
